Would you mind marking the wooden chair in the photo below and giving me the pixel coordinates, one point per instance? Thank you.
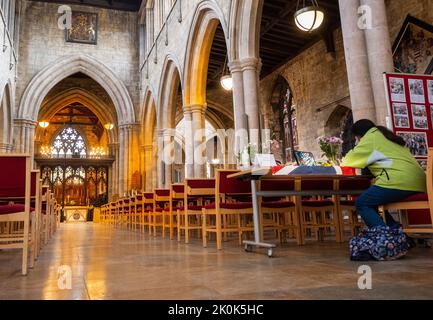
(177, 197)
(198, 192)
(347, 205)
(232, 211)
(15, 181)
(416, 202)
(146, 201)
(319, 214)
(279, 214)
(161, 202)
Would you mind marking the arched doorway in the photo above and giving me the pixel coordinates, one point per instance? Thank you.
(6, 97)
(339, 124)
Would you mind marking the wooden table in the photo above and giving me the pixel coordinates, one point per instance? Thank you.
(254, 175)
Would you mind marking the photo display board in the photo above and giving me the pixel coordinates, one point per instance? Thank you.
(410, 99)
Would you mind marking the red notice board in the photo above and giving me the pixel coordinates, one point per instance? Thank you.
(410, 101)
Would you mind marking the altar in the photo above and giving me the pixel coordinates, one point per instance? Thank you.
(76, 214)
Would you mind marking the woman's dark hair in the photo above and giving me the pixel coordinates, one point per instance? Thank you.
(361, 128)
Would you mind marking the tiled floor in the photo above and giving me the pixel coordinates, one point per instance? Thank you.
(117, 264)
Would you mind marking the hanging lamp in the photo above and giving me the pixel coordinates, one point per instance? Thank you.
(309, 17)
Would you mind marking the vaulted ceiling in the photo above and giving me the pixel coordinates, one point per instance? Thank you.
(125, 5)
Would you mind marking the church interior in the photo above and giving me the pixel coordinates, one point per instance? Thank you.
(159, 149)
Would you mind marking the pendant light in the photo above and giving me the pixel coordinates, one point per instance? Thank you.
(309, 17)
(226, 79)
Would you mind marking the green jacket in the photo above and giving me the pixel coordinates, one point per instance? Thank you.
(393, 165)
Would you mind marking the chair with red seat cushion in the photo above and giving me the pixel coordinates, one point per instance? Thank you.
(279, 214)
(350, 217)
(416, 203)
(15, 182)
(177, 197)
(228, 215)
(197, 193)
(318, 214)
(160, 202)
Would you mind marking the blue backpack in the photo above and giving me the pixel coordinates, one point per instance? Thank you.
(379, 243)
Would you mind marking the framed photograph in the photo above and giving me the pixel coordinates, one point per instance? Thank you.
(413, 48)
(419, 115)
(430, 90)
(305, 158)
(84, 28)
(400, 109)
(416, 142)
(401, 122)
(416, 88)
(397, 89)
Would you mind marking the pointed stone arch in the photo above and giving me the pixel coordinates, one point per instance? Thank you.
(204, 24)
(6, 118)
(149, 145)
(66, 66)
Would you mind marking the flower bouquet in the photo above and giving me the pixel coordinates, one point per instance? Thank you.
(331, 147)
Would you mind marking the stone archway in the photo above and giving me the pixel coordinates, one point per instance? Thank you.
(208, 16)
(339, 124)
(6, 127)
(149, 152)
(52, 74)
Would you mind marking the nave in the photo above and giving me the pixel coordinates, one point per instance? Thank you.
(110, 263)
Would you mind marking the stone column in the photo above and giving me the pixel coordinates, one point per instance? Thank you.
(114, 183)
(241, 134)
(379, 55)
(189, 143)
(161, 163)
(148, 167)
(361, 92)
(251, 71)
(199, 138)
(168, 157)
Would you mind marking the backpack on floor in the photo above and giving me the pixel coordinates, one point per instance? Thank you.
(379, 243)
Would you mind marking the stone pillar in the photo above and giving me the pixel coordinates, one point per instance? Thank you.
(168, 157)
(361, 92)
(148, 167)
(251, 71)
(114, 177)
(189, 143)
(125, 156)
(241, 135)
(379, 55)
(161, 163)
(199, 138)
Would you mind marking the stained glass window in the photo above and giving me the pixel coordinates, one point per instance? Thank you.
(69, 144)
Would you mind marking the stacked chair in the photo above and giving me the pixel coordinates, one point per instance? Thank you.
(29, 215)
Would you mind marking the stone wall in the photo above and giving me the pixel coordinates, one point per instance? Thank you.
(42, 42)
(318, 80)
(8, 69)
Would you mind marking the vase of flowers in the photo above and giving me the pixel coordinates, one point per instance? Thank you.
(331, 147)
(246, 156)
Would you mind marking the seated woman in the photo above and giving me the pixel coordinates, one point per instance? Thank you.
(398, 174)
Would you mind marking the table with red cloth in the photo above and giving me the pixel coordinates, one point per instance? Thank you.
(257, 174)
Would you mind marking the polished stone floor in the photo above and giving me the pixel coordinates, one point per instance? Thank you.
(118, 264)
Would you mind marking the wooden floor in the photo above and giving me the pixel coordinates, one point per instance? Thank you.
(117, 264)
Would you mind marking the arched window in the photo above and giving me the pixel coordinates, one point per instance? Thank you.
(69, 144)
(284, 122)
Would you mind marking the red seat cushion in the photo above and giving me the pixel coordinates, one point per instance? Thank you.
(348, 203)
(231, 206)
(417, 197)
(278, 205)
(15, 208)
(317, 203)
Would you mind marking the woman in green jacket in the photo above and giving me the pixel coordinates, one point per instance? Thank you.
(397, 173)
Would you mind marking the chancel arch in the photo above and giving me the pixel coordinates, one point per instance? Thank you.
(117, 95)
